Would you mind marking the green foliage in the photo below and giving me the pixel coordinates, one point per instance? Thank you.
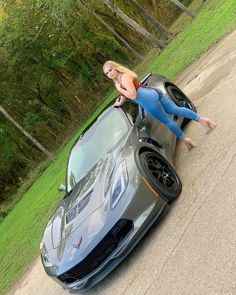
(30, 121)
(8, 151)
(12, 162)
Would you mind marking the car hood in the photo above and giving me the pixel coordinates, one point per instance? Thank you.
(83, 214)
(79, 206)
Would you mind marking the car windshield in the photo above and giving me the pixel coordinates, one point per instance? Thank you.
(94, 145)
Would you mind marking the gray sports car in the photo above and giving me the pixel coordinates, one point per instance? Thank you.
(119, 182)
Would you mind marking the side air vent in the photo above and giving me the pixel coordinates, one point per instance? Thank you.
(78, 208)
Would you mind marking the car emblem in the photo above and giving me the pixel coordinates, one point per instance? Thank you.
(78, 243)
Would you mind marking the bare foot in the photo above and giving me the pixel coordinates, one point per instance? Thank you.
(208, 124)
(189, 143)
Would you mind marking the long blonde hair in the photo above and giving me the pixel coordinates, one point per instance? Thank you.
(120, 68)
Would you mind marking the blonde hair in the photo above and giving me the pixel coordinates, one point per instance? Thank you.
(120, 68)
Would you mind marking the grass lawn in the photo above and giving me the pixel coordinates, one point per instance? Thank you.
(215, 20)
(21, 230)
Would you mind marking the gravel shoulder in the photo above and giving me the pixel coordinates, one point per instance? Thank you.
(192, 251)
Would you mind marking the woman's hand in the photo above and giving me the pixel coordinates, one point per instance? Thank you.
(120, 100)
(117, 104)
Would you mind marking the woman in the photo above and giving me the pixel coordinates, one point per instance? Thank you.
(152, 100)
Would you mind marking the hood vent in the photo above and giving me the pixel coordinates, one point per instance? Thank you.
(71, 215)
(83, 203)
(78, 208)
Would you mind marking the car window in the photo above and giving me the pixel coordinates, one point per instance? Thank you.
(100, 138)
(131, 109)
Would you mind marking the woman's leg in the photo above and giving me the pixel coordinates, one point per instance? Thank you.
(172, 108)
(150, 101)
(160, 114)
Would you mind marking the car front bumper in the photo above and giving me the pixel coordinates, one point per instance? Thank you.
(140, 227)
(140, 205)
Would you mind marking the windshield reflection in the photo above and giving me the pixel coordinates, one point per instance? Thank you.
(94, 145)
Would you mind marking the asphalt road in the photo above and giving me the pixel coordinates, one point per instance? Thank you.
(192, 251)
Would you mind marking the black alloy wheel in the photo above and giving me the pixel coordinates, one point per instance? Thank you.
(161, 175)
(181, 100)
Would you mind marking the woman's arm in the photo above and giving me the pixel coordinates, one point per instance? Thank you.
(128, 84)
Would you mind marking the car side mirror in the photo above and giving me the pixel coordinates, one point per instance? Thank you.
(62, 188)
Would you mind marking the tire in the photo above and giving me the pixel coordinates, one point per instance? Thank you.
(161, 175)
(181, 100)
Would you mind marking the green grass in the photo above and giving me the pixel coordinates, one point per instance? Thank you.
(21, 230)
(184, 19)
(213, 22)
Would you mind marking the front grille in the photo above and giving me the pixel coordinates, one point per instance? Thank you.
(107, 245)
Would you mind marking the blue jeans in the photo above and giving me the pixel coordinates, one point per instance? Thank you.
(159, 106)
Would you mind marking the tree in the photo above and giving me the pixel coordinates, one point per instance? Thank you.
(35, 142)
(184, 8)
(134, 25)
(166, 34)
(122, 40)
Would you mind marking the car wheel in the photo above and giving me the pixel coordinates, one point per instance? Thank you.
(161, 175)
(181, 100)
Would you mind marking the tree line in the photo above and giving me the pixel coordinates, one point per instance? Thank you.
(50, 67)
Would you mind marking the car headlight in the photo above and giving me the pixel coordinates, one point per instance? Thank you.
(46, 260)
(119, 183)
